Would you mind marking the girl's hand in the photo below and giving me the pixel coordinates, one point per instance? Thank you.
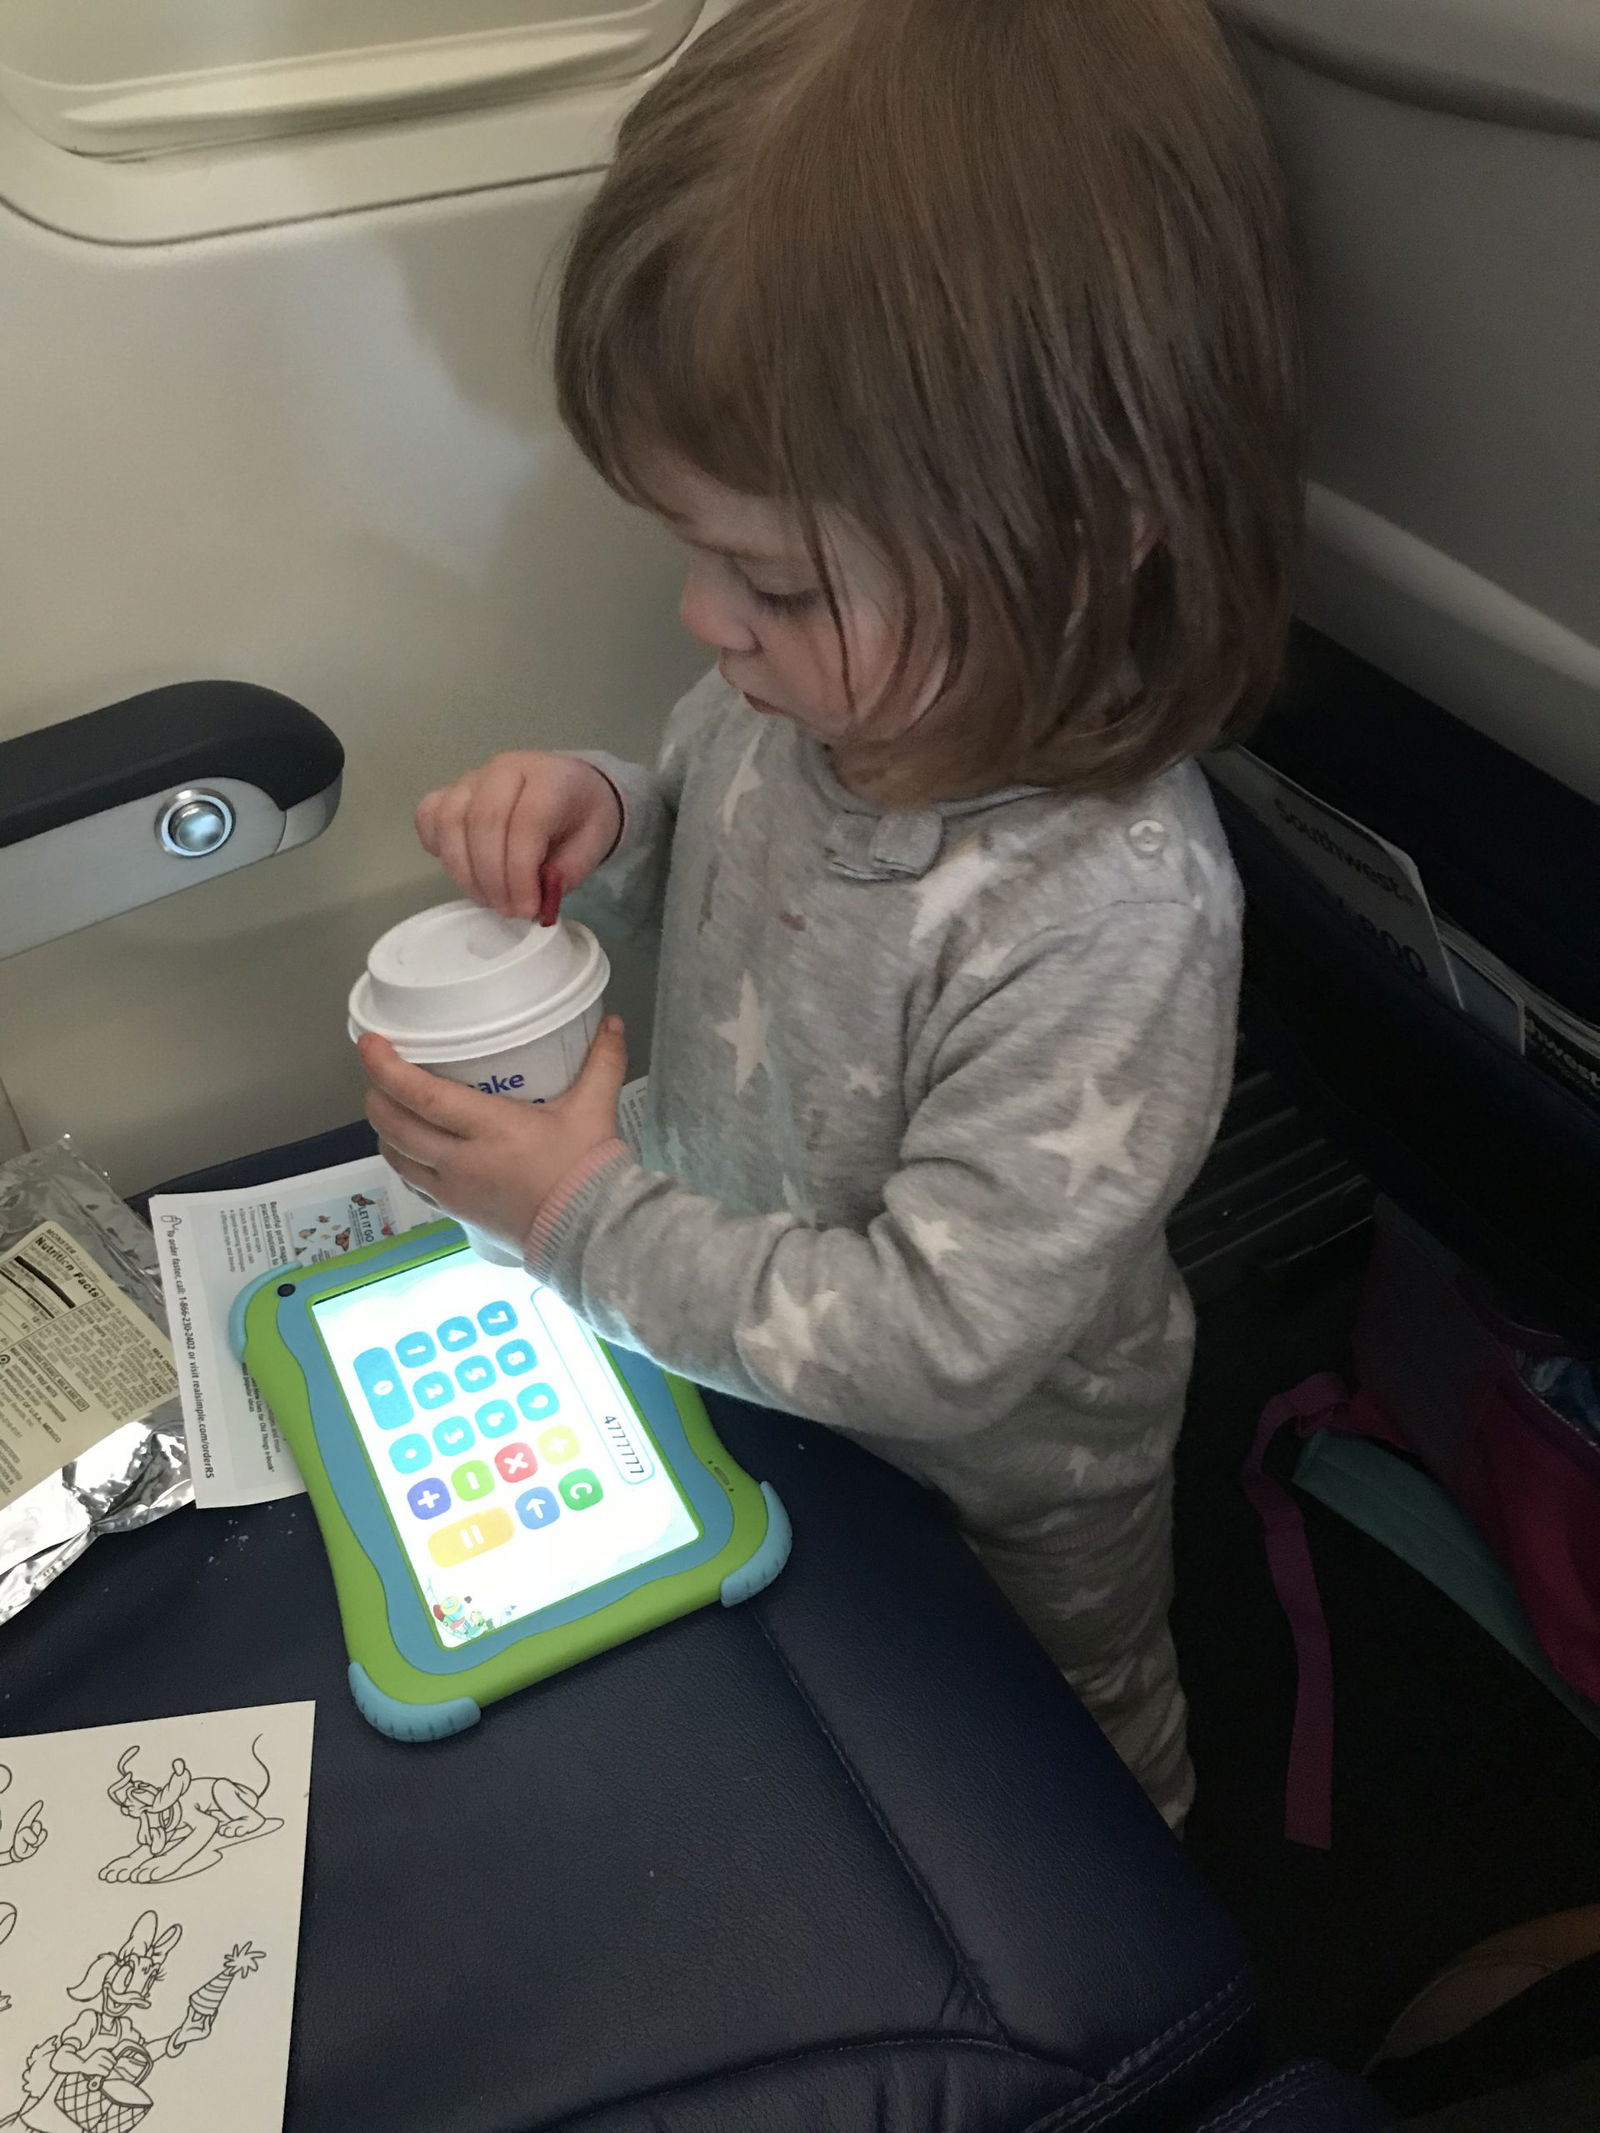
(493, 829)
(489, 1160)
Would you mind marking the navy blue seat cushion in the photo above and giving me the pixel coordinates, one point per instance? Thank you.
(847, 1856)
(1306, 2097)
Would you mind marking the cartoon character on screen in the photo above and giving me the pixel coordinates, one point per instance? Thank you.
(459, 1618)
(185, 1823)
(90, 2077)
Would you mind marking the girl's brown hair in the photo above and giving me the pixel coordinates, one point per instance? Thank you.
(1004, 282)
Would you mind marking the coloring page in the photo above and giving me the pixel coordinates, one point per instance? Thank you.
(149, 1922)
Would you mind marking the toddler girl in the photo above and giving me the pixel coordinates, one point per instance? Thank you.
(951, 338)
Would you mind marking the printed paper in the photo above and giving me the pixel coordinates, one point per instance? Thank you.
(1377, 883)
(212, 1244)
(150, 1881)
(78, 1359)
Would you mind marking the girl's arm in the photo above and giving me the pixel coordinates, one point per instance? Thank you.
(623, 896)
(514, 827)
(1072, 1102)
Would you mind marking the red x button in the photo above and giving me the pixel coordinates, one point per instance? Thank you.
(516, 1462)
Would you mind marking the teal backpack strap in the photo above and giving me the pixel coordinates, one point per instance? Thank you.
(1417, 1520)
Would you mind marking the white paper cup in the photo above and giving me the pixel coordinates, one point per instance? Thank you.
(498, 1004)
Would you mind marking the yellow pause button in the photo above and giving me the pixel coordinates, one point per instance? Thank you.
(473, 1536)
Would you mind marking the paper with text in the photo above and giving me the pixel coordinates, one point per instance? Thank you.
(78, 1359)
(1377, 883)
(213, 1243)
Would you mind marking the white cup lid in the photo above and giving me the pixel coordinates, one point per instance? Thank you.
(457, 982)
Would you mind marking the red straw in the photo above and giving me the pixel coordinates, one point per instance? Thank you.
(550, 894)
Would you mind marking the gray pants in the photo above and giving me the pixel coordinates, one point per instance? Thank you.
(1093, 1581)
(1090, 1574)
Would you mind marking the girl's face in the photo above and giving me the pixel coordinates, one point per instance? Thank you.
(753, 596)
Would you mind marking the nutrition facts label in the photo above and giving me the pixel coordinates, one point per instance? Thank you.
(77, 1359)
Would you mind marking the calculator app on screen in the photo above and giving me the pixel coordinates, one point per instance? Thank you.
(510, 1459)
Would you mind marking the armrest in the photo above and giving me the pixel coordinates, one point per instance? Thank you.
(125, 805)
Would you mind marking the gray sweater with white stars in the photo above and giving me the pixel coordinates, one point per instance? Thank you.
(925, 1087)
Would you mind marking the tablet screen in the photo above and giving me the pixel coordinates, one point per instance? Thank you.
(509, 1456)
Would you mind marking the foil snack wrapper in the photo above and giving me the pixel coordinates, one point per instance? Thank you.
(139, 1472)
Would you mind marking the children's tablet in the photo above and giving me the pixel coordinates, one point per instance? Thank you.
(501, 1493)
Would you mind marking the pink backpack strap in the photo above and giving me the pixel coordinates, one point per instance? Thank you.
(1322, 1402)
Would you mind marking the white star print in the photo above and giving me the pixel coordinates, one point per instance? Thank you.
(746, 780)
(990, 960)
(1087, 1600)
(747, 1033)
(1151, 1338)
(933, 1237)
(1080, 1464)
(673, 1149)
(1096, 1143)
(789, 1333)
(863, 1081)
(1217, 896)
(794, 1200)
(956, 881)
(1111, 1470)
(1134, 1346)
(1138, 1463)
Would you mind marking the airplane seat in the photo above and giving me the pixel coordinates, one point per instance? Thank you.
(1443, 691)
(850, 1855)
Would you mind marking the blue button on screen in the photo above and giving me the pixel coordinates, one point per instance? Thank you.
(379, 1379)
(515, 1357)
(457, 1333)
(475, 1375)
(497, 1318)
(416, 1351)
(435, 1390)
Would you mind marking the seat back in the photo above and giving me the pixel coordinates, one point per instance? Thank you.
(1443, 162)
